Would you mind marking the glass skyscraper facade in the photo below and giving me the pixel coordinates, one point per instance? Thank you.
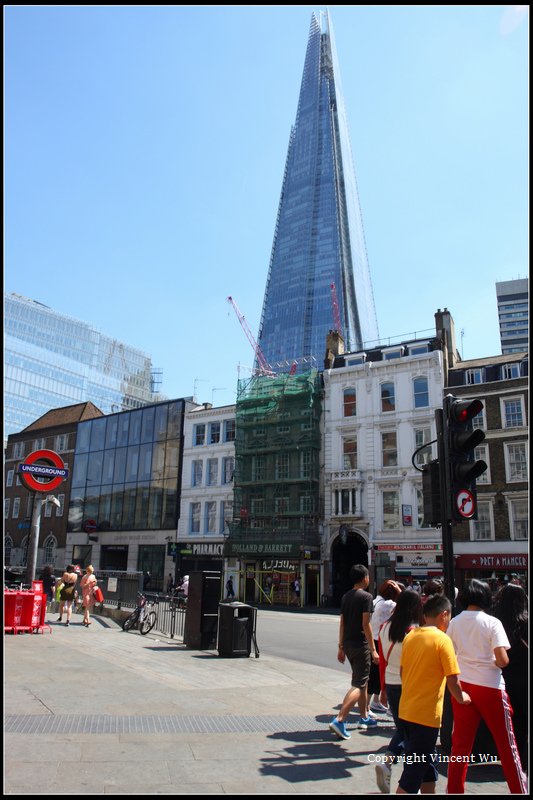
(319, 237)
(51, 360)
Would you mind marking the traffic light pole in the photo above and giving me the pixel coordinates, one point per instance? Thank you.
(446, 511)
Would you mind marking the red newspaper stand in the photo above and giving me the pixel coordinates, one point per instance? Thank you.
(25, 611)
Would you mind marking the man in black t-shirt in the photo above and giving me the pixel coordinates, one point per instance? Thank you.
(356, 643)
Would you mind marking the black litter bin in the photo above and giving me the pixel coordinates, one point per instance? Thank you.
(236, 629)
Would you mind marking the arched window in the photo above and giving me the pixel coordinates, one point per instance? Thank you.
(49, 550)
(25, 545)
(8, 546)
(421, 392)
(388, 400)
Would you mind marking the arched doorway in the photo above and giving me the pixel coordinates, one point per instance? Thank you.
(349, 548)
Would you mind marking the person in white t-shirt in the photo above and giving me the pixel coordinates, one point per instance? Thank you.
(382, 608)
(481, 646)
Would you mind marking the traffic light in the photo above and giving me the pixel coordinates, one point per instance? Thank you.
(460, 440)
(431, 493)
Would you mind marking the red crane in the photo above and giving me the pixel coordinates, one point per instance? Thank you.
(335, 305)
(264, 368)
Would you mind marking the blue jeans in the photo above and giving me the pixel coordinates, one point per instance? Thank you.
(396, 744)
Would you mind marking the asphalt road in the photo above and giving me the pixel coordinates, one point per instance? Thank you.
(309, 638)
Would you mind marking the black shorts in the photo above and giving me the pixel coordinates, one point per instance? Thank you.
(360, 660)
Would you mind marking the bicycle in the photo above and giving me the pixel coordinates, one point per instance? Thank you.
(144, 617)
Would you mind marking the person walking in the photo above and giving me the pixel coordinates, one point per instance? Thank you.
(407, 615)
(356, 643)
(87, 586)
(67, 593)
(382, 608)
(230, 592)
(481, 646)
(511, 608)
(49, 584)
(428, 664)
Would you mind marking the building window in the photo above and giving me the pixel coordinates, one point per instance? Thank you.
(510, 371)
(479, 420)
(388, 402)
(420, 509)
(421, 392)
(473, 376)
(282, 466)
(516, 462)
(18, 449)
(419, 349)
(7, 503)
(49, 550)
(481, 453)
(59, 509)
(197, 470)
(349, 455)
(512, 413)
(258, 468)
(214, 433)
(199, 434)
(16, 507)
(281, 505)
(481, 528)
(9, 479)
(228, 468)
(422, 437)
(306, 464)
(229, 430)
(195, 518)
(61, 442)
(391, 354)
(519, 518)
(212, 471)
(391, 510)
(349, 405)
(39, 444)
(48, 509)
(389, 449)
(306, 503)
(211, 517)
(8, 546)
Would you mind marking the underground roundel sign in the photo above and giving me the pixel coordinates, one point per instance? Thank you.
(44, 464)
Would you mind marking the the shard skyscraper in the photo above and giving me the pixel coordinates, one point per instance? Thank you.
(319, 238)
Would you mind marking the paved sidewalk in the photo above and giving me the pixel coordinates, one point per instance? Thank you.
(100, 711)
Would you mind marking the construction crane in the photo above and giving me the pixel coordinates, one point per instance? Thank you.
(264, 368)
(335, 305)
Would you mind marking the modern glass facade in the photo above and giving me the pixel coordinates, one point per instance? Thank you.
(126, 472)
(513, 314)
(319, 237)
(51, 360)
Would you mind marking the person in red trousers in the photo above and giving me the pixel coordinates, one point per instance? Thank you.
(481, 646)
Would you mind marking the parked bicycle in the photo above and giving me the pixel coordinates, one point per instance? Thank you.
(144, 617)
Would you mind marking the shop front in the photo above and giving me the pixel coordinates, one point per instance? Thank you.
(199, 556)
(411, 563)
(496, 568)
(275, 572)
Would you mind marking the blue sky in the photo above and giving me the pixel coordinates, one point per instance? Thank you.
(144, 155)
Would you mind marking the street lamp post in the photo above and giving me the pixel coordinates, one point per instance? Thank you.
(33, 545)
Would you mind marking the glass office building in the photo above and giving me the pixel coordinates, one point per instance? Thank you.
(513, 315)
(51, 360)
(319, 237)
(126, 472)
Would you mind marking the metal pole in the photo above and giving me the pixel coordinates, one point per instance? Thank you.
(33, 544)
(446, 511)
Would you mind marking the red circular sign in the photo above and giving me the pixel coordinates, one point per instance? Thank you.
(89, 525)
(53, 464)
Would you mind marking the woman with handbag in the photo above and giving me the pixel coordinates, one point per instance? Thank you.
(66, 595)
(88, 585)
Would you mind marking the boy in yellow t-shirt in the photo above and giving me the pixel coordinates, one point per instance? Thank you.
(428, 664)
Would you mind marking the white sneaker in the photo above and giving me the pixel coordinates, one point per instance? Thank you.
(370, 714)
(383, 778)
(379, 707)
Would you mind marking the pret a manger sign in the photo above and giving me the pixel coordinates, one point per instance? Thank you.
(44, 464)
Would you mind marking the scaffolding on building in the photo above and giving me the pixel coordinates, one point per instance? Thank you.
(276, 479)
